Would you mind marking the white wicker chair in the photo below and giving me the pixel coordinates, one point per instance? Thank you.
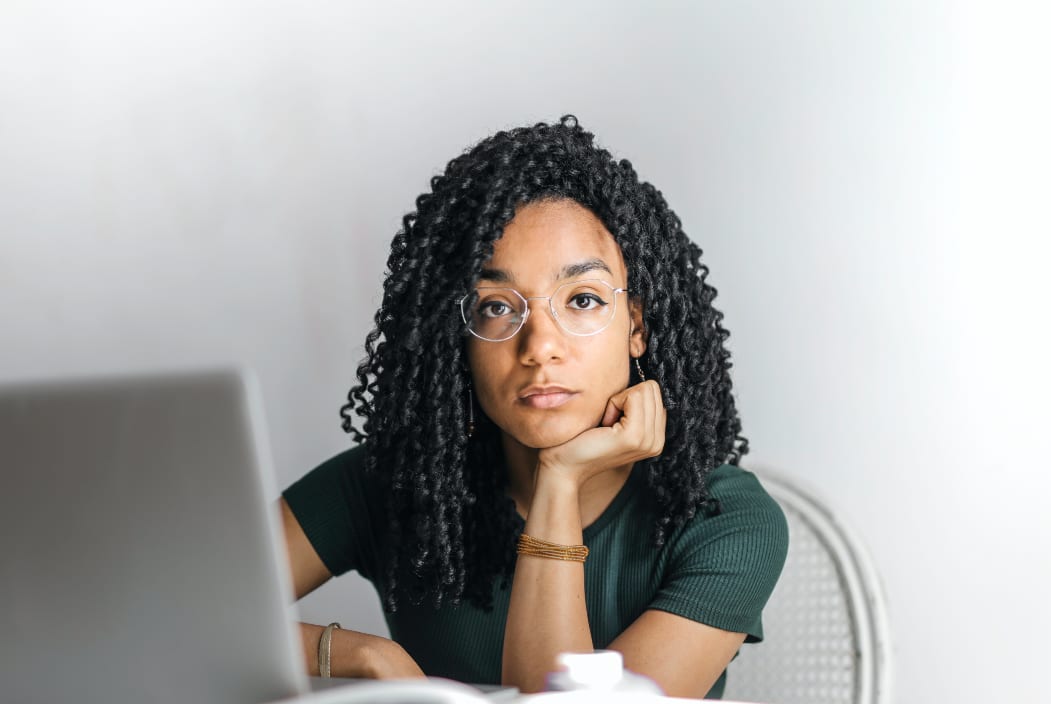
(826, 638)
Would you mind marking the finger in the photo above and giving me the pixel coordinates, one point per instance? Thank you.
(611, 415)
(660, 420)
(649, 418)
(615, 409)
(637, 408)
(637, 416)
(620, 398)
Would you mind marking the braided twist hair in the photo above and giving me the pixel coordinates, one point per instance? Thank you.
(452, 528)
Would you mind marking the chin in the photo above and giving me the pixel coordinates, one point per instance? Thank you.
(553, 433)
(542, 441)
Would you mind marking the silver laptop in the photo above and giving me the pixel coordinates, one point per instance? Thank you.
(140, 558)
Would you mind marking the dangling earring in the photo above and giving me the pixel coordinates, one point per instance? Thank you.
(470, 410)
(638, 367)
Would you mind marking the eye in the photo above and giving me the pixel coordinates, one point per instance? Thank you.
(494, 309)
(585, 301)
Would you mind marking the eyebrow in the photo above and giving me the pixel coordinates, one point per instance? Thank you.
(569, 271)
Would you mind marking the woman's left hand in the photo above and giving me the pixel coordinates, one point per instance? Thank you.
(632, 429)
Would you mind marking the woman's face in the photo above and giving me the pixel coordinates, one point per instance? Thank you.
(545, 386)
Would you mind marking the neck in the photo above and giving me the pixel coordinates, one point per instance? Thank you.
(521, 472)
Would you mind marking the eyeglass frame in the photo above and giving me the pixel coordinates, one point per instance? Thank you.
(550, 307)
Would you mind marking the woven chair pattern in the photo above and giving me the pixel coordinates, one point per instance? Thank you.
(818, 625)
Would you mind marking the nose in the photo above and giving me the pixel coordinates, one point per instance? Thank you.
(541, 339)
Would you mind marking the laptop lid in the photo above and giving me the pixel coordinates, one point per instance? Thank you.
(140, 558)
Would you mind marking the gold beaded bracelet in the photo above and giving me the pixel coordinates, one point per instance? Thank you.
(528, 545)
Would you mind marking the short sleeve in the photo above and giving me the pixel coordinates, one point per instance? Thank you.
(339, 509)
(722, 568)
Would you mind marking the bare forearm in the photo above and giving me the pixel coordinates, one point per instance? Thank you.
(356, 654)
(547, 613)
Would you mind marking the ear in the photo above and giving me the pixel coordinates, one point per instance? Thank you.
(637, 336)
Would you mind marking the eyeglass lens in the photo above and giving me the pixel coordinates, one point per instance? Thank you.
(580, 307)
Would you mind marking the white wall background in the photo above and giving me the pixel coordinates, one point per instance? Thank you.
(189, 183)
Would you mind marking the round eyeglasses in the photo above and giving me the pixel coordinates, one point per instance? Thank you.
(581, 308)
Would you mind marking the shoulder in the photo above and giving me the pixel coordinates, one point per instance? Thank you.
(349, 460)
(741, 496)
(340, 507)
(343, 471)
(749, 531)
(722, 566)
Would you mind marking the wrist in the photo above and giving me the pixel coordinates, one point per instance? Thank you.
(554, 511)
(552, 477)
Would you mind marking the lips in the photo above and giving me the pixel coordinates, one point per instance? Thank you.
(545, 396)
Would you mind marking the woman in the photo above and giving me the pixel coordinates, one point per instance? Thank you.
(548, 438)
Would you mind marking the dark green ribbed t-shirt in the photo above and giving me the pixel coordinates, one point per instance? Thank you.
(718, 570)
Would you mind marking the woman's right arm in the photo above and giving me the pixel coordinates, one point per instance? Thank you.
(354, 654)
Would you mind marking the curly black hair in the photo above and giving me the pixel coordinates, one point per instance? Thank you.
(452, 525)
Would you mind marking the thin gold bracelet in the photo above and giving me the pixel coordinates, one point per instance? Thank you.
(535, 547)
(324, 650)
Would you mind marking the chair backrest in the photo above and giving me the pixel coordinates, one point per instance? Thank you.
(826, 637)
